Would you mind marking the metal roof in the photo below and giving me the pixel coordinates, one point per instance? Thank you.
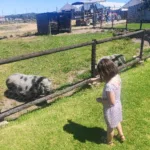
(81, 2)
(67, 7)
(132, 3)
(113, 5)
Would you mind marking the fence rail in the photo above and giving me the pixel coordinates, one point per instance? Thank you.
(119, 37)
(55, 50)
(79, 84)
(41, 53)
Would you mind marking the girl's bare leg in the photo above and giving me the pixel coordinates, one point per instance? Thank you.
(120, 132)
(110, 135)
(119, 129)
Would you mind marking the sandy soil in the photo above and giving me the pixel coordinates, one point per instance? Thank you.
(17, 29)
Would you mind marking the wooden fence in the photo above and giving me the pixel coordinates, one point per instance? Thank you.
(126, 27)
(93, 43)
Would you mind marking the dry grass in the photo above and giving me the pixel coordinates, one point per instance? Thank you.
(17, 29)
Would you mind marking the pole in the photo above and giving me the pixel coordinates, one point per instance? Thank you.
(101, 20)
(127, 21)
(112, 20)
(142, 45)
(141, 23)
(93, 59)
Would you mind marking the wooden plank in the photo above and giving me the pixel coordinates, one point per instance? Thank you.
(146, 57)
(131, 63)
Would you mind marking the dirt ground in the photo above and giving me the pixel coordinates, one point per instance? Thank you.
(16, 29)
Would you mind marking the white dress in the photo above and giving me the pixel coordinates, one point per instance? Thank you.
(113, 113)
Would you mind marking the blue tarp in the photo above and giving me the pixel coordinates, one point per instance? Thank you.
(78, 3)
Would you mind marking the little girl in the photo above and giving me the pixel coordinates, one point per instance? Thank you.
(112, 107)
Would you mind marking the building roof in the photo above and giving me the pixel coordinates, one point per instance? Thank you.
(81, 2)
(67, 7)
(132, 3)
(92, 1)
(112, 5)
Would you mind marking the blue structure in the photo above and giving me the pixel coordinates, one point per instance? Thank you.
(88, 13)
(53, 23)
(137, 12)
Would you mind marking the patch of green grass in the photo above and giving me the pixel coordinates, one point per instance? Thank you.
(125, 47)
(146, 51)
(22, 46)
(134, 26)
(76, 122)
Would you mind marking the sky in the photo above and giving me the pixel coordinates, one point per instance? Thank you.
(8, 7)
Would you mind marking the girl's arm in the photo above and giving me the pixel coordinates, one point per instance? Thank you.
(102, 100)
(111, 97)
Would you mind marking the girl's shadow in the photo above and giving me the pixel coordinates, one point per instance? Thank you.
(83, 133)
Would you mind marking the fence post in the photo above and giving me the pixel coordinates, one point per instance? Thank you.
(112, 21)
(101, 20)
(127, 21)
(93, 58)
(94, 19)
(50, 30)
(126, 24)
(141, 23)
(142, 45)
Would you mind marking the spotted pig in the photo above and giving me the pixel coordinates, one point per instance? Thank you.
(28, 86)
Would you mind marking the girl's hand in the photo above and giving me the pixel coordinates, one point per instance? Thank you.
(99, 99)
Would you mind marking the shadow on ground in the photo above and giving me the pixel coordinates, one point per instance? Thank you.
(22, 99)
(82, 133)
